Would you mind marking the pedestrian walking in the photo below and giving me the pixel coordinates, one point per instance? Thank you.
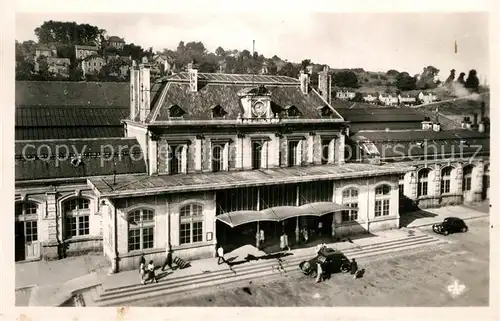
(319, 271)
(284, 242)
(305, 233)
(151, 272)
(142, 259)
(320, 228)
(220, 255)
(354, 267)
(142, 272)
(168, 260)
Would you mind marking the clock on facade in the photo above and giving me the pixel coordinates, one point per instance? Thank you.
(259, 109)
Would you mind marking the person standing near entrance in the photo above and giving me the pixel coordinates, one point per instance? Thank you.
(168, 259)
(284, 242)
(320, 228)
(220, 256)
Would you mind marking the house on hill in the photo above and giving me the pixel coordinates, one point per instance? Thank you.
(82, 52)
(427, 97)
(388, 99)
(371, 98)
(407, 99)
(92, 65)
(116, 42)
(345, 94)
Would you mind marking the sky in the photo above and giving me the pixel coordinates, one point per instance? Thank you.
(373, 41)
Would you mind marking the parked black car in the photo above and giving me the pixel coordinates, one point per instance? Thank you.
(450, 225)
(332, 261)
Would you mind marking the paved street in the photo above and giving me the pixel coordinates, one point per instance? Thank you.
(455, 274)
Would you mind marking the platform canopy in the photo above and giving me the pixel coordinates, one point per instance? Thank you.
(281, 213)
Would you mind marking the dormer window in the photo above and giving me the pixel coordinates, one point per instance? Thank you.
(218, 112)
(326, 111)
(176, 112)
(292, 111)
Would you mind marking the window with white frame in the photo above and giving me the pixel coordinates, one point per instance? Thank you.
(467, 181)
(423, 182)
(26, 221)
(446, 180)
(220, 156)
(177, 158)
(257, 154)
(325, 150)
(191, 224)
(141, 225)
(350, 198)
(382, 200)
(294, 153)
(76, 213)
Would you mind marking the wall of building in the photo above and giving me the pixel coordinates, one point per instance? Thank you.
(52, 238)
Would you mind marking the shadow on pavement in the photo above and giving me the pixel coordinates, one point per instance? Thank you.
(406, 219)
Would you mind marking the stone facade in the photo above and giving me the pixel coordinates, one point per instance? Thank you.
(53, 240)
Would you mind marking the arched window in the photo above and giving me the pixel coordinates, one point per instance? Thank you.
(191, 228)
(423, 182)
(26, 221)
(467, 181)
(141, 229)
(350, 198)
(76, 213)
(382, 200)
(446, 180)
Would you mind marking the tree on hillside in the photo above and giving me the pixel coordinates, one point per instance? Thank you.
(461, 78)
(345, 78)
(209, 63)
(43, 68)
(451, 77)
(392, 72)
(472, 81)
(220, 51)
(289, 70)
(426, 80)
(305, 63)
(272, 69)
(68, 33)
(24, 69)
(136, 52)
(405, 82)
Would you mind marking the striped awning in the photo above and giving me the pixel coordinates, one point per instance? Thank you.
(280, 213)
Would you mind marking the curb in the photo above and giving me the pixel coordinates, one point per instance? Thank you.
(432, 223)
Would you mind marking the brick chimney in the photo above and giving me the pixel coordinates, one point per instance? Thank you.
(193, 77)
(144, 91)
(324, 84)
(134, 91)
(304, 82)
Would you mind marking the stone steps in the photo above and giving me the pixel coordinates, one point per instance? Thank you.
(123, 295)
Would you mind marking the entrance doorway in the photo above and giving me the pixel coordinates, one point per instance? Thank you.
(27, 245)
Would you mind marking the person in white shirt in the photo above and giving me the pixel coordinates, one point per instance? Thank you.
(220, 255)
(151, 271)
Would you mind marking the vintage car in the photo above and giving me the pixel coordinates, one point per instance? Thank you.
(332, 261)
(450, 225)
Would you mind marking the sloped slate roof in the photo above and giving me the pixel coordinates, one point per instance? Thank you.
(460, 106)
(223, 90)
(36, 133)
(416, 135)
(76, 94)
(237, 78)
(433, 149)
(53, 162)
(355, 115)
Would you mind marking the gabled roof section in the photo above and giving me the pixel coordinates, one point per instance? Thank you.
(218, 111)
(237, 79)
(226, 90)
(77, 158)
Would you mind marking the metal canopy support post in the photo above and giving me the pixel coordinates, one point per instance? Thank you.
(297, 227)
(257, 236)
